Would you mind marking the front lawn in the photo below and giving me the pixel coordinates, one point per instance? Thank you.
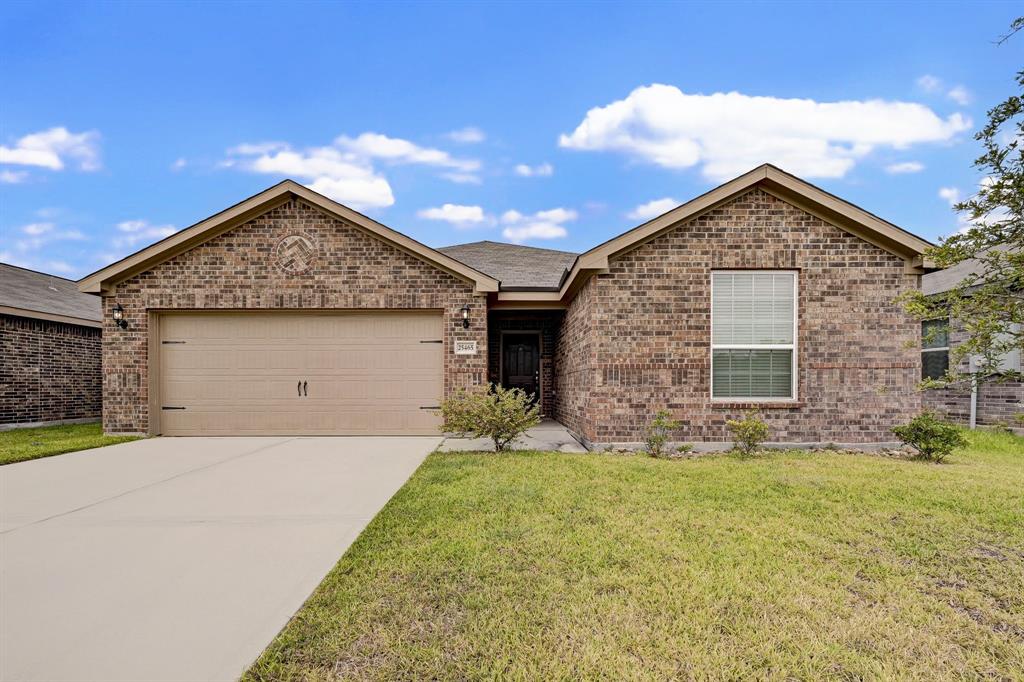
(19, 445)
(791, 565)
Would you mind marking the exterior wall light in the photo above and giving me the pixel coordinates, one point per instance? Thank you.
(118, 312)
(465, 316)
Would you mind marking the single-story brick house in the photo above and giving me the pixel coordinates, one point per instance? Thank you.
(49, 350)
(292, 314)
(999, 400)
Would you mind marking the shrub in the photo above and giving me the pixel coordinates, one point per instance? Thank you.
(932, 437)
(500, 414)
(748, 432)
(658, 432)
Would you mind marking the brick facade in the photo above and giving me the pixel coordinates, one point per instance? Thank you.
(238, 270)
(547, 324)
(49, 371)
(637, 338)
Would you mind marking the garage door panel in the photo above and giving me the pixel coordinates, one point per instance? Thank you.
(363, 373)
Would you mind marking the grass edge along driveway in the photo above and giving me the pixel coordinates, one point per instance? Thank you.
(21, 445)
(789, 565)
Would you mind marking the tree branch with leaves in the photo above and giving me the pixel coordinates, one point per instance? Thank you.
(988, 304)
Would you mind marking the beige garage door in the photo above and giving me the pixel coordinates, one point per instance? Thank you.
(300, 373)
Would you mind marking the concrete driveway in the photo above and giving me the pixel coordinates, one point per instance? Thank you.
(177, 559)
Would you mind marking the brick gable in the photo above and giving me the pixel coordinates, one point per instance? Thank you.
(240, 269)
(637, 338)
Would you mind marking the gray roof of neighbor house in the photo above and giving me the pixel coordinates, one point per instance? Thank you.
(519, 268)
(943, 280)
(35, 294)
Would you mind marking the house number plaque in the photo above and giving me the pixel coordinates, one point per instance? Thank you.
(465, 347)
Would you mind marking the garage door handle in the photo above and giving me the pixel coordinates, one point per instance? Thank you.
(299, 387)
(305, 388)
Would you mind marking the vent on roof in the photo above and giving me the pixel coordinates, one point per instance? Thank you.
(50, 286)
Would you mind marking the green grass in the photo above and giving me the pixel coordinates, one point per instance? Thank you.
(19, 445)
(789, 565)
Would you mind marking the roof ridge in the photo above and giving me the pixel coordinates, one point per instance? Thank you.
(518, 246)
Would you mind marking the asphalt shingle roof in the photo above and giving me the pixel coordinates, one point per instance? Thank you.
(517, 267)
(39, 292)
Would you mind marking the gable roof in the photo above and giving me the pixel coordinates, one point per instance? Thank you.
(767, 177)
(28, 293)
(530, 274)
(222, 222)
(519, 268)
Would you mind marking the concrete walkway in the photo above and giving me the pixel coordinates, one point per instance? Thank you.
(549, 435)
(177, 559)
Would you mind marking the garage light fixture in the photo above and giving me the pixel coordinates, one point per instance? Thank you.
(465, 316)
(118, 313)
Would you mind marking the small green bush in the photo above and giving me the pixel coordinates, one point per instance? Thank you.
(933, 438)
(684, 448)
(659, 431)
(501, 414)
(748, 432)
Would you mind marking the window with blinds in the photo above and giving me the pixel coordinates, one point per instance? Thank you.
(753, 335)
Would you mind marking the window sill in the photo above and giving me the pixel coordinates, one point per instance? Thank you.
(757, 404)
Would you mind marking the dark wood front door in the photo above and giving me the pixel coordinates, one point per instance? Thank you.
(520, 357)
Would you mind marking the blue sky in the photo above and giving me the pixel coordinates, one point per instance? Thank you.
(556, 125)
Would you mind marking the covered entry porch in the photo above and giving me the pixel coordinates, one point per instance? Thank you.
(521, 350)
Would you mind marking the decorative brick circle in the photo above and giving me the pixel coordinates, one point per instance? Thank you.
(295, 254)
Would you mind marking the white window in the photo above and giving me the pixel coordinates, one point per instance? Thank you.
(934, 348)
(753, 335)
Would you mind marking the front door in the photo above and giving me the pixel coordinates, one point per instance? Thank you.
(521, 362)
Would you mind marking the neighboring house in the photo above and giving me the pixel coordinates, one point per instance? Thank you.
(292, 314)
(998, 401)
(49, 350)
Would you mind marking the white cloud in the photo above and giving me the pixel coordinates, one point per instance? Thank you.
(652, 209)
(133, 232)
(540, 225)
(396, 150)
(462, 178)
(904, 167)
(345, 170)
(729, 133)
(929, 83)
(933, 84)
(950, 194)
(36, 229)
(178, 164)
(38, 235)
(63, 267)
(327, 170)
(9, 177)
(54, 147)
(457, 215)
(542, 170)
(467, 135)
(960, 95)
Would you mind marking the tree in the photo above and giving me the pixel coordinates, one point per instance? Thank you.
(989, 304)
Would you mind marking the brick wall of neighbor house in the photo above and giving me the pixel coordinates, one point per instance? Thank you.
(49, 371)
(998, 402)
(237, 270)
(547, 324)
(646, 331)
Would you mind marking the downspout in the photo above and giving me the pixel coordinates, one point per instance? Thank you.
(973, 370)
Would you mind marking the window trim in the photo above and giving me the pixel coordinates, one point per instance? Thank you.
(937, 349)
(794, 347)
